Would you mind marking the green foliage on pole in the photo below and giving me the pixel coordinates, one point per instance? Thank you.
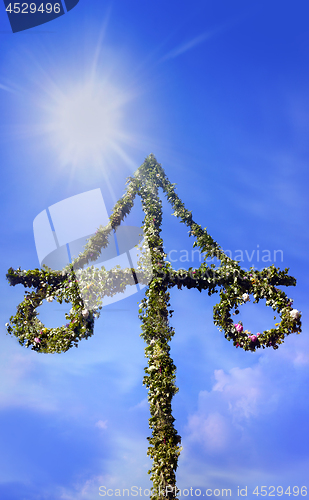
(234, 285)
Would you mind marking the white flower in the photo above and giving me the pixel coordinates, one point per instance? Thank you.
(85, 313)
(295, 314)
(6, 324)
(49, 299)
(152, 342)
(245, 297)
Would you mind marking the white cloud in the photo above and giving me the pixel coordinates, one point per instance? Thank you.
(231, 433)
(101, 424)
(295, 350)
(242, 389)
(20, 384)
(212, 431)
(237, 397)
(142, 405)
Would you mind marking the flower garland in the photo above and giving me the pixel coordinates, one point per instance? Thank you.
(49, 285)
(260, 285)
(85, 294)
(85, 288)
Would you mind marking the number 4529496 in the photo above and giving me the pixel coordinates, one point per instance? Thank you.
(272, 491)
(26, 8)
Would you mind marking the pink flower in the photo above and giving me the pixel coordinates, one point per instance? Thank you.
(37, 340)
(253, 338)
(237, 345)
(258, 333)
(239, 327)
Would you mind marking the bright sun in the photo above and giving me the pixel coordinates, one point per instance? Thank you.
(83, 109)
(86, 122)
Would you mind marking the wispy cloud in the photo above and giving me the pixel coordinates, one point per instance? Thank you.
(7, 89)
(184, 47)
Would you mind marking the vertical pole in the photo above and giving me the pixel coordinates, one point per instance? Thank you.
(160, 381)
(160, 375)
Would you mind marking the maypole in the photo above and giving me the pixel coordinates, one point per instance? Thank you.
(85, 287)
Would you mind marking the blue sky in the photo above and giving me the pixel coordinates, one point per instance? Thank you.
(219, 93)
